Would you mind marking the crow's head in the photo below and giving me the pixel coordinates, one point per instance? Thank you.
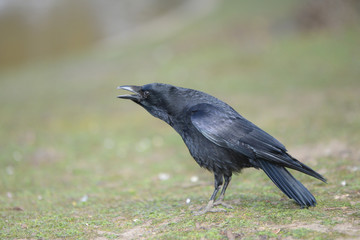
(161, 100)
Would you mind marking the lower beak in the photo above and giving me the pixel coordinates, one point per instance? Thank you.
(134, 89)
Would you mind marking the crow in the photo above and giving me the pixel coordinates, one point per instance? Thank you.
(221, 140)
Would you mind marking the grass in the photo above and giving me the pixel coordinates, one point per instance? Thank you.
(77, 163)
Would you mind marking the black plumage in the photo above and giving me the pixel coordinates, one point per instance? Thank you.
(221, 140)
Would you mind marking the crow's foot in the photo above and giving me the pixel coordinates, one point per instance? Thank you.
(210, 207)
(220, 201)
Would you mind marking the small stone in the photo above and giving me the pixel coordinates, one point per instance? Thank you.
(163, 176)
(194, 179)
(84, 198)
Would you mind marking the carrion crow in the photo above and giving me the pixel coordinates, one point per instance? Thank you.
(221, 140)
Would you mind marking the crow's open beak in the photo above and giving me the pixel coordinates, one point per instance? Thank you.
(134, 89)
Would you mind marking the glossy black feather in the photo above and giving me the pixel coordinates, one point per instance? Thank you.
(288, 184)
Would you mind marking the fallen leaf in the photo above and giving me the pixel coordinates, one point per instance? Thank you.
(17, 209)
(276, 231)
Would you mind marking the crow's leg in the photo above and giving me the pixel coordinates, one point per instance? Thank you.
(217, 184)
(210, 206)
(220, 200)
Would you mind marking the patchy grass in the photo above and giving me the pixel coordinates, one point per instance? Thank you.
(77, 163)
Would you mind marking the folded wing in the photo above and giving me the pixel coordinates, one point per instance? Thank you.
(231, 130)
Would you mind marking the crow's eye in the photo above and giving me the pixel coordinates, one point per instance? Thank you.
(146, 94)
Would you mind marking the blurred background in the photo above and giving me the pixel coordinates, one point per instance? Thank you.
(35, 30)
(291, 67)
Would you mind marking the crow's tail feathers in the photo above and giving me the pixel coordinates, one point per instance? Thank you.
(288, 184)
(305, 169)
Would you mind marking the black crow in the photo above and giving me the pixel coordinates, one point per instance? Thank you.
(221, 140)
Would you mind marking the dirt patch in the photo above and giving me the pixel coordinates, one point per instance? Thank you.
(105, 234)
(347, 228)
(315, 226)
(143, 231)
(334, 149)
(352, 229)
(137, 232)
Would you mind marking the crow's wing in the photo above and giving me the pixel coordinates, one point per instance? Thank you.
(228, 129)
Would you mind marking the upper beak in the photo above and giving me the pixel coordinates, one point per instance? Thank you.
(134, 89)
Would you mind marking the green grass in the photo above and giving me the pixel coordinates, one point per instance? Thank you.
(77, 163)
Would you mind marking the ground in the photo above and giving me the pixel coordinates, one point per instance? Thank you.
(78, 163)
